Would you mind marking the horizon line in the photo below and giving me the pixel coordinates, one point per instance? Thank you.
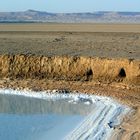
(70, 12)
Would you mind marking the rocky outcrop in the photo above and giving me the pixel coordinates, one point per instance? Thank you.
(70, 68)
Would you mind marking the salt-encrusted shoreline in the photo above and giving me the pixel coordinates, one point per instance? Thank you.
(59, 94)
(100, 123)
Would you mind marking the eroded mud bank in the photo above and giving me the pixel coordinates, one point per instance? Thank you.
(70, 68)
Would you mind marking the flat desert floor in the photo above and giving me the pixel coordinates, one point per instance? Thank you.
(72, 39)
(98, 40)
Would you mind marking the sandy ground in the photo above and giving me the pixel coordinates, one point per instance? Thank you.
(124, 45)
(71, 27)
(86, 40)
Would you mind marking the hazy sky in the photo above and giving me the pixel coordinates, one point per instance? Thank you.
(70, 5)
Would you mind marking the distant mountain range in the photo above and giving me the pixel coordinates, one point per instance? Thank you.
(95, 17)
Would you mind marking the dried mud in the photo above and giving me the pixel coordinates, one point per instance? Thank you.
(70, 68)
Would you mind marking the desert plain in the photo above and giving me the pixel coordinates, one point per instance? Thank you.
(81, 44)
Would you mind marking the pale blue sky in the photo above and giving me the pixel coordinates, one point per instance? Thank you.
(70, 5)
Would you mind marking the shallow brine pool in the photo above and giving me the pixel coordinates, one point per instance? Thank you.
(56, 116)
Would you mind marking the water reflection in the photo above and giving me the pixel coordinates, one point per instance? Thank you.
(23, 118)
(23, 105)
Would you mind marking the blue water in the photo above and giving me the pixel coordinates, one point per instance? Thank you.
(36, 127)
(23, 118)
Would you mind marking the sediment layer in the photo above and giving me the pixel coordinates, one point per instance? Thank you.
(70, 68)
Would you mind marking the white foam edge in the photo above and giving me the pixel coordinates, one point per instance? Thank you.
(57, 95)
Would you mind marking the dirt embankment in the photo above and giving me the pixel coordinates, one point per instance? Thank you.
(71, 68)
